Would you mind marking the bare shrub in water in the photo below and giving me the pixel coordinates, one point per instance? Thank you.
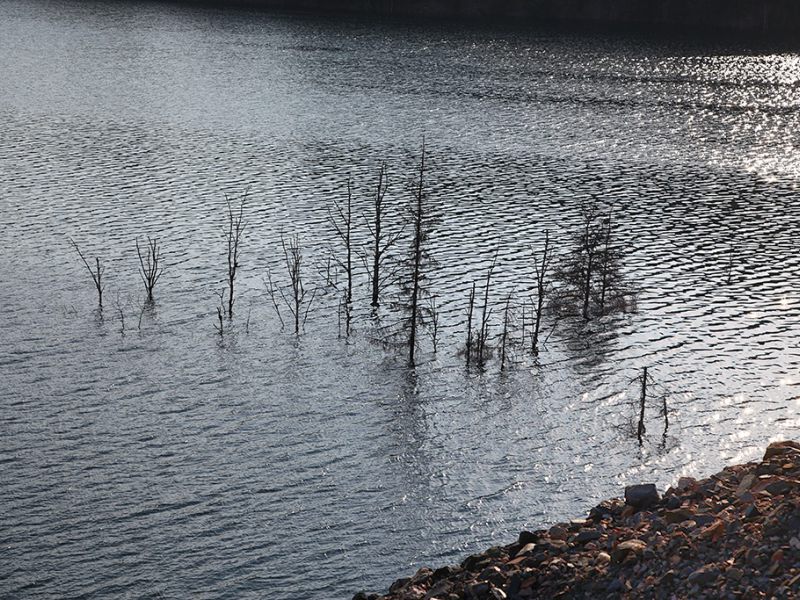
(150, 267)
(233, 238)
(294, 295)
(477, 346)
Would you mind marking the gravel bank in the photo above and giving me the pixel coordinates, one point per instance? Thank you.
(733, 535)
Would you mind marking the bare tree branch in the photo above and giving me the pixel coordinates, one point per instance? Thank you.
(150, 268)
(96, 273)
(233, 238)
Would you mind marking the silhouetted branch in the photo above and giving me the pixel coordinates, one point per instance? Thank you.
(96, 273)
(220, 325)
(504, 337)
(433, 320)
(295, 295)
(470, 310)
(341, 222)
(380, 242)
(640, 431)
(542, 266)
(272, 291)
(483, 331)
(150, 268)
(233, 238)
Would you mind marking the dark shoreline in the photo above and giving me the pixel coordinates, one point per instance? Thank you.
(749, 17)
(733, 535)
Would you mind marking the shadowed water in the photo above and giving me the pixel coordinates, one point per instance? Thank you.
(160, 461)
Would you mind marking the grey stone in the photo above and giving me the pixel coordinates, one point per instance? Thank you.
(641, 496)
(587, 535)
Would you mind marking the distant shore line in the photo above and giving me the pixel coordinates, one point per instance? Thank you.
(743, 16)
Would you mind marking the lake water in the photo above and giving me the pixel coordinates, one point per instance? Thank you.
(162, 461)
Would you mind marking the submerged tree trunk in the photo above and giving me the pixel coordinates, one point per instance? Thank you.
(606, 264)
(541, 289)
(640, 431)
(469, 322)
(233, 237)
(376, 234)
(417, 264)
(96, 273)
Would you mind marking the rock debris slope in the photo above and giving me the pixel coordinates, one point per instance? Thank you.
(733, 535)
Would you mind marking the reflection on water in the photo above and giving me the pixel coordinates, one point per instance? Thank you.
(166, 461)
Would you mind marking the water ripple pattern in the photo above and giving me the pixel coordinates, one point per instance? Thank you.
(155, 460)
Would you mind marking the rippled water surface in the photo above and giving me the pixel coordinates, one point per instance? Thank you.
(156, 460)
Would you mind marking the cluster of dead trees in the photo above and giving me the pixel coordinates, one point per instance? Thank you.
(150, 268)
(386, 265)
(581, 277)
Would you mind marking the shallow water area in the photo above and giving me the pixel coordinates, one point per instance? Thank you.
(154, 459)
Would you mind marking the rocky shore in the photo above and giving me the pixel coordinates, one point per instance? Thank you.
(733, 535)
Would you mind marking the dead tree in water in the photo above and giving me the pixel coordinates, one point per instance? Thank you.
(150, 267)
(342, 222)
(504, 336)
(272, 291)
(328, 271)
(142, 308)
(220, 324)
(486, 314)
(433, 312)
(412, 283)
(294, 294)
(470, 310)
(345, 308)
(96, 273)
(380, 243)
(640, 430)
(119, 307)
(233, 237)
(541, 291)
(477, 346)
